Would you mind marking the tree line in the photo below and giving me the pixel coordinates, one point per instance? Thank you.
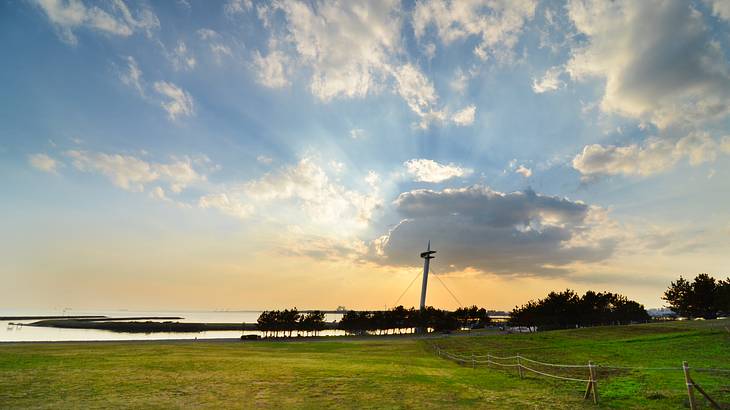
(704, 297)
(400, 320)
(276, 323)
(562, 310)
(285, 322)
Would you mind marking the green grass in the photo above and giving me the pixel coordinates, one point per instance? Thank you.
(371, 373)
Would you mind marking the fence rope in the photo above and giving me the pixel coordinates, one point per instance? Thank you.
(554, 376)
(489, 357)
(583, 366)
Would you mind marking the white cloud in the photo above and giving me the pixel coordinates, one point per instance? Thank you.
(207, 34)
(658, 58)
(497, 23)
(465, 116)
(426, 170)
(133, 76)
(228, 205)
(181, 58)
(307, 187)
(720, 8)
(460, 81)
(347, 45)
(220, 50)
(43, 162)
(233, 7)
(419, 94)
(357, 133)
(178, 103)
(549, 82)
(504, 233)
(652, 157)
(524, 171)
(133, 174)
(263, 159)
(272, 70)
(69, 15)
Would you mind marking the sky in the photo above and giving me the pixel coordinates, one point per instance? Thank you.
(255, 155)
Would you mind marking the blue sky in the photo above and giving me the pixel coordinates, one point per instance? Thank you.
(253, 153)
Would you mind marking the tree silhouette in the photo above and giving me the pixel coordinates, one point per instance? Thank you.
(704, 297)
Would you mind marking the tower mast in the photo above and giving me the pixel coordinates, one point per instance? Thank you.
(427, 256)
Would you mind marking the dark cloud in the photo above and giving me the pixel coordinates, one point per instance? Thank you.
(505, 233)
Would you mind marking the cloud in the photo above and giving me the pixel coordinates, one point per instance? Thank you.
(346, 50)
(272, 70)
(419, 94)
(233, 7)
(181, 58)
(307, 187)
(502, 233)
(133, 76)
(549, 82)
(658, 58)
(720, 9)
(498, 24)
(347, 45)
(465, 117)
(133, 174)
(357, 133)
(70, 15)
(426, 170)
(653, 156)
(229, 206)
(178, 103)
(43, 162)
(524, 171)
(263, 159)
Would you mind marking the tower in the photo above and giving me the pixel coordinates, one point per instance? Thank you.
(427, 256)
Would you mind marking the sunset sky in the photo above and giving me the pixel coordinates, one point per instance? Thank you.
(245, 154)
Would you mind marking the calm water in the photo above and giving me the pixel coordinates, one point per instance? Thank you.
(19, 333)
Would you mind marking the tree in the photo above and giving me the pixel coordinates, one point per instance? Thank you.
(560, 310)
(704, 297)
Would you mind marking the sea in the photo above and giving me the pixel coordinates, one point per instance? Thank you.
(19, 331)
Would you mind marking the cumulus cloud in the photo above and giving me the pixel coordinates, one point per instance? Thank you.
(43, 162)
(524, 171)
(502, 233)
(720, 8)
(653, 156)
(306, 186)
(465, 116)
(347, 45)
(497, 24)
(133, 173)
(178, 102)
(419, 93)
(658, 58)
(550, 81)
(116, 19)
(272, 70)
(232, 206)
(426, 170)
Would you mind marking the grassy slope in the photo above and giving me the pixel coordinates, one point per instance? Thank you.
(372, 373)
(701, 344)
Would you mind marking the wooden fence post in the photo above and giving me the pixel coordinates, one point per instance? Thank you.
(688, 381)
(519, 366)
(591, 387)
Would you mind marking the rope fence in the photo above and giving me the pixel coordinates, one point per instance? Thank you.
(517, 361)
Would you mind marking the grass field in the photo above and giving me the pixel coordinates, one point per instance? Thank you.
(371, 373)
